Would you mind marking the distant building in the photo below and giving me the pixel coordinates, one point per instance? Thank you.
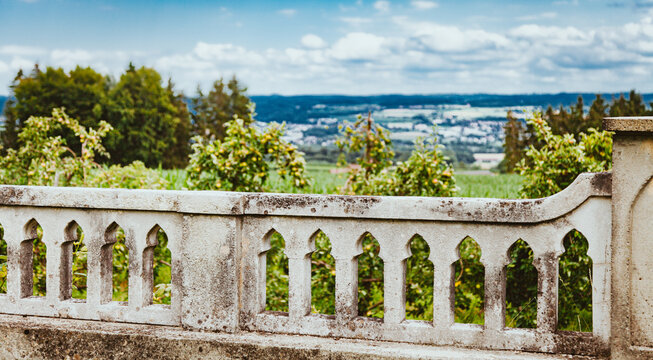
(487, 161)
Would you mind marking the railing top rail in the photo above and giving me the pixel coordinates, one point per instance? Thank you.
(335, 206)
(629, 124)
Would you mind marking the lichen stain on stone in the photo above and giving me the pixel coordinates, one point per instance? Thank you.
(602, 182)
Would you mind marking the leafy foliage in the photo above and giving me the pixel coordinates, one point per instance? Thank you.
(419, 280)
(240, 161)
(323, 277)
(145, 119)
(43, 159)
(521, 287)
(132, 176)
(276, 285)
(82, 91)
(468, 283)
(546, 171)
(211, 112)
(152, 122)
(573, 121)
(562, 158)
(425, 173)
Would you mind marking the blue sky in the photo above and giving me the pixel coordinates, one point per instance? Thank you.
(345, 47)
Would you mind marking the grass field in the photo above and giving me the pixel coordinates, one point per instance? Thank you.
(504, 186)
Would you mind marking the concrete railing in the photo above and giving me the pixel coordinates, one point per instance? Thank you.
(218, 243)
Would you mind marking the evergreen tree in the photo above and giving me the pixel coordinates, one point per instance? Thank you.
(633, 106)
(596, 114)
(144, 117)
(513, 145)
(220, 105)
(573, 121)
(176, 155)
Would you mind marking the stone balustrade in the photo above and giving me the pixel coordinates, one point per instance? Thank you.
(219, 240)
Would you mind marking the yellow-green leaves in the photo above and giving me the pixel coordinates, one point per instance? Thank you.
(241, 161)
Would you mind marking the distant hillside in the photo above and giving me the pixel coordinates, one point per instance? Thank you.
(3, 99)
(299, 109)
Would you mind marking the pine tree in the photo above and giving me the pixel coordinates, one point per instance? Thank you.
(514, 142)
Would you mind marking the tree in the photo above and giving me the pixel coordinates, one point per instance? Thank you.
(633, 106)
(212, 111)
(145, 118)
(514, 142)
(596, 114)
(573, 121)
(176, 155)
(82, 92)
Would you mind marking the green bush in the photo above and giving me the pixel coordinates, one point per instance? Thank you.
(241, 160)
(43, 159)
(561, 158)
(132, 176)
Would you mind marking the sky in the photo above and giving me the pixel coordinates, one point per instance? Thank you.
(356, 47)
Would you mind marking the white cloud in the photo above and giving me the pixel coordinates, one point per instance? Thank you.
(313, 41)
(424, 5)
(287, 12)
(420, 56)
(552, 35)
(444, 38)
(21, 50)
(382, 5)
(358, 46)
(544, 15)
(227, 54)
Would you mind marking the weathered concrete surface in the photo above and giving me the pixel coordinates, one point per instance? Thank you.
(338, 206)
(632, 238)
(209, 270)
(629, 124)
(39, 338)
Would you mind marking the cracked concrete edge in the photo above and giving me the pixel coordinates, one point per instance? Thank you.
(43, 338)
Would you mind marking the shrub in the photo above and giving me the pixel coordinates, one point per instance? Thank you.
(561, 158)
(241, 161)
(425, 173)
(42, 159)
(132, 176)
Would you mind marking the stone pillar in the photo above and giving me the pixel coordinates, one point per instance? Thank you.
(209, 275)
(632, 237)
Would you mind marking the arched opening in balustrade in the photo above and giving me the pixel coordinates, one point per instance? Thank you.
(419, 281)
(157, 267)
(521, 287)
(34, 253)
(370, 278)
(74, 263)
(323, 276)
(575, 284)
(3, 261)
(469, 284)
(276, 270)
(117, 254)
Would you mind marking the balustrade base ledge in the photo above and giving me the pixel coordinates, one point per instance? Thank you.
(46, 338)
